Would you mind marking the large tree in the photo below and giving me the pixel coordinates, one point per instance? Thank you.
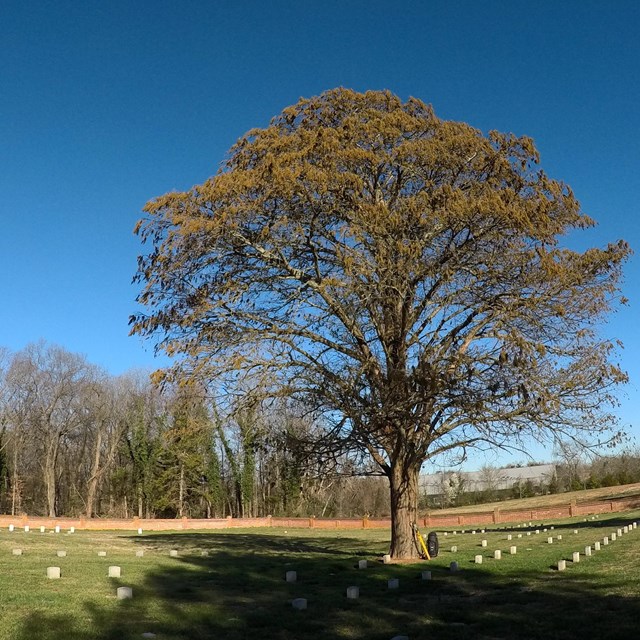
(402, 273)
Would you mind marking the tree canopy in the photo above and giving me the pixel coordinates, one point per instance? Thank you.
(401, 273)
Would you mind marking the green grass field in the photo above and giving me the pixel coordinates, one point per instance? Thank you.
(238, 590)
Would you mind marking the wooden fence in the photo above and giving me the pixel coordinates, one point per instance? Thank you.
(430, 520)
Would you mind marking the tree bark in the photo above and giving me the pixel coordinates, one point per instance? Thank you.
(403, 481)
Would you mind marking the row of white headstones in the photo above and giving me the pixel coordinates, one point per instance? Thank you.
(562, 564)
(114, 571)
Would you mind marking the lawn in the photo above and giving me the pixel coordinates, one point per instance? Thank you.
(230, 585)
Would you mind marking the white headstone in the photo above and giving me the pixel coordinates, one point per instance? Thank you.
(552, 528)
(139, 531)
(619, 532)
(549, 540)
(528, 533)
(509, 537)
(497, 554)
(559, 536)
(454, 549)
(102, 554)
(575, 531)
(481, 530)
(11, 528)
(72, 530)
(204, 553)
(613, 537)
(635, 525)
(61, 554)
(596, 546)
(426, 575)
(42, 529)
(299, 604)
(483, 543)
(17, 552)
(605, 541)
(473, 532)
(576, 556)
(445, 534)
(139, 553)
(478, 559)
(587, 551)
(124, 593)
(386, 559)
(26, 528)
(57, 529)
(537, 531)
(519, 535)
(393, 583)
(53, 573)
(291, 576)
(513, 550)
(625, 529)
(562, 565)
(362, 564)
(173, 553)
(114, 572)
(353, 593)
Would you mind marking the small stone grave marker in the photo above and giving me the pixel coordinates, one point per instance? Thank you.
(139, 531)
(17, 552)
(528, 533)
(393, 583)
(575, 531)
(57, 528)
(173, 553)
(559, 536)
(576, 557)
(596, 546)
(61, 554)
(613, 537)
(509, 537)
(386, 559)
(453, 567)
(625, 530)
(537, 531)
(549, 540)
(124, 593)
(483, 543)
(353, 593)
(299, 603)
(102, 554)
(605, 541)
(362, 564)
(11, 528)
(53, 573)
(291, 576)
(497, 554)
(42, 529)
(619, 532)
(139, 553)
(519, 535)
(26, 528)
(562, 565)
(587, 551)
(454, 549)
(513, 550)
(114, 572)
(478, 559)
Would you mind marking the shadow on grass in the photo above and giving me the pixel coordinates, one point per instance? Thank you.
(239, 592)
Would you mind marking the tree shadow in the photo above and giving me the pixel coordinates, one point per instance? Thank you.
(240, 592)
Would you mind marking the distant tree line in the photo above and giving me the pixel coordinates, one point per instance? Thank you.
(75, 440)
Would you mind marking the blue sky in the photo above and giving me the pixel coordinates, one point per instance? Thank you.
(105, 105)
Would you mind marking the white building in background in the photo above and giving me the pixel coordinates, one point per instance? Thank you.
(488, 478)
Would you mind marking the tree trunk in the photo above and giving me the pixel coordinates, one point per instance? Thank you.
(403, 481)
(92, 485)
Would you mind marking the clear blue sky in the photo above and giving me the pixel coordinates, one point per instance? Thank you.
(105, 105)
